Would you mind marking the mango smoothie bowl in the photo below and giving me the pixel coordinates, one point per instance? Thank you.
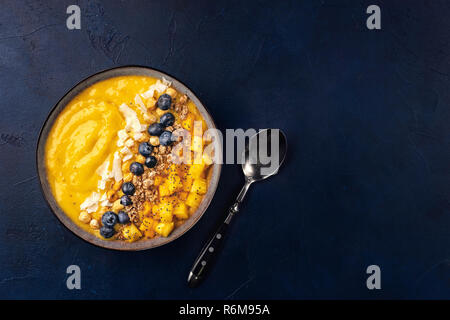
(125, 160)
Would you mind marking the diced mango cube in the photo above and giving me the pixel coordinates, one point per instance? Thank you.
(181, 211)
(187, 183)
(166, 206)
(199, 186)
(182, 195)
(173, 183)
(166, 216)
(196, 170)
(188, 122)
(131, 233)
(197, 144)
(164, 229)
(155, 211)
(193, 200)
(146, 224)
(164, 190)
(117, 206)
(163, 209)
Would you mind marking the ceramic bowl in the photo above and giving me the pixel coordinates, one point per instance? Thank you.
(214, 172)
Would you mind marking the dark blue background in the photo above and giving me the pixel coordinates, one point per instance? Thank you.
(366, 114)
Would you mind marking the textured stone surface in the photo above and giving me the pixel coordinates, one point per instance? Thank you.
(366, 114)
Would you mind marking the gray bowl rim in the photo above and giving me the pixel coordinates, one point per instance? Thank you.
(42, 172)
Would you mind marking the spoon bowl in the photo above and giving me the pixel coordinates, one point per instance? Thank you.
(264, 153)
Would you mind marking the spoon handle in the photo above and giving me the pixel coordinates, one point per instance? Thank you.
(207, 256)
(211, 249)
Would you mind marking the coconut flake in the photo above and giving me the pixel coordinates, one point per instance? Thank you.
(91, 203)
(124, 150)
(104, 201)
(92, 208)
(101, 184)
(103, 170)
(117, 170)
(127, 154)
(158, 86)
(127, 157)
(123, 135)
(138, 101)
(105, 175)
(129, 143)
(137, 136)
(131, 118)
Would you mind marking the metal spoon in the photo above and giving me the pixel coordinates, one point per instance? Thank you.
(256, 168)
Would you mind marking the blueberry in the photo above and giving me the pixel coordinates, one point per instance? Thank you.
(128, 188)
(155, 129)
(164, 101)
(107, 232)
(123, 217)
(165, 138)
(167, 119)
(145, 149)
(136, 168)
(109, 219)
(126, 201)
(150, 161)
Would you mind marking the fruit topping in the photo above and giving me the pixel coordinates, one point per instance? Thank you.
(145, 149)
(126, 201)
(164, 101)
(167, 119)
(150, 161)
(109, 219)
(165, 138)
(128, 188)
(123, 217)
(107, 232)
(137, 169)
(155, 129)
